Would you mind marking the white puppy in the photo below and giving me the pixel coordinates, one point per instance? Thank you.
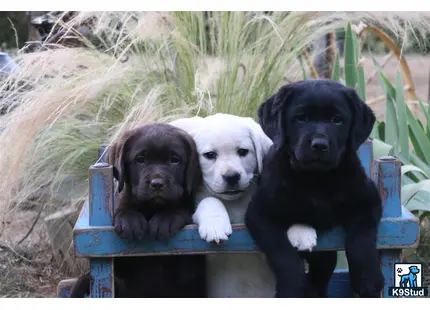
(231, 151)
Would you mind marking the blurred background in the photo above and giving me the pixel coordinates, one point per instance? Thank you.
(72, 81)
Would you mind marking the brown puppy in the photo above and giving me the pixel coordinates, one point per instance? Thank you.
(157, 170)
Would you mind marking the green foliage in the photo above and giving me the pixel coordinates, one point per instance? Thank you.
(401, 134)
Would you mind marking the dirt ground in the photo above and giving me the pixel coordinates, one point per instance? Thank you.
(29, 270)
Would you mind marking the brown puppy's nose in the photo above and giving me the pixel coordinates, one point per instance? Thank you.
(157, 183)
(231, 178)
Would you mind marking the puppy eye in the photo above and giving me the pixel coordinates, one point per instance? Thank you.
(140, 159)
(175, 160)
(210, 155)
(337, 120)
(242, 152)
(302, 118)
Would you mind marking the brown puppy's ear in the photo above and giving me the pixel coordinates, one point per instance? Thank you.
(116, 157)
(193, 173)
(362, 121)
(271, 115)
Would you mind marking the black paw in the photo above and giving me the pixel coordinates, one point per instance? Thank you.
(165, 225)
(131, 225)
(368, 287)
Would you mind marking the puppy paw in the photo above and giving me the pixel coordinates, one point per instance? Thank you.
(368, 287)
(302, 237)
(165, 225)
(215, 229)
(131, 225)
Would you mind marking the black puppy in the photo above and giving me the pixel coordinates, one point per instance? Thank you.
(157, 169)
(313, 175)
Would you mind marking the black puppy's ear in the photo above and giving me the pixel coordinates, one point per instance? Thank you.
(116, 158)
(271, 115)
(193, 173)
(363, 119)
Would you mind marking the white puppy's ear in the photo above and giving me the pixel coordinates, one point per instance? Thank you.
(262, 142)
(188, 124)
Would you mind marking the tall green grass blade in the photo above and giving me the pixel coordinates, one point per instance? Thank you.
(356, 46)
(402, 117)
(336, 69)
(361, 83)
(391, 124)
(350, 65)
(426, 114)
(420, 137)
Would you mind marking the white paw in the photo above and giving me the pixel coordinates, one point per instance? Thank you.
(302, 237)
(215, 229)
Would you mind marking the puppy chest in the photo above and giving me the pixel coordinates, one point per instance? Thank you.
(316, 211)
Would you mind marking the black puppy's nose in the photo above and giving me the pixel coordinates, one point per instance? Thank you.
(319, 145)
(231, 178)
(157, 183)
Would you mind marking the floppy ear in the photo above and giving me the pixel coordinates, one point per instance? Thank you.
(262, 142)
(193, 173)
(265, 118)
(188, 124)
(271, 115)
(363, 119)
(116, 158)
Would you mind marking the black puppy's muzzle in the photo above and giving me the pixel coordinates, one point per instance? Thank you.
(319, 145)
(315, 152)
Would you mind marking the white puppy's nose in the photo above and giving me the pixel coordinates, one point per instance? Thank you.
(231, 178)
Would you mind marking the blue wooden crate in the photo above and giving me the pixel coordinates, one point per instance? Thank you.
(95, 238)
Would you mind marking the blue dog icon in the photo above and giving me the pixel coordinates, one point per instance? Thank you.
(410, 278)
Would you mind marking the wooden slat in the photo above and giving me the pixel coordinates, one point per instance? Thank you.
(100, 194)
(102, 284)
(100, 206)
(387, 175)
(388, 259)
(103, 242)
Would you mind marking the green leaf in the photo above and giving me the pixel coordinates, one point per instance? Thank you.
(336, 69)
(410, 190)
(380, 148)
(419, 163)
(350, 65)
(391, 124)
(361, 83)
(356, 47)
(408, 168)
(419, 135)
(402, 117)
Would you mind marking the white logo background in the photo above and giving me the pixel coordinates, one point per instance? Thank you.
(405, 270)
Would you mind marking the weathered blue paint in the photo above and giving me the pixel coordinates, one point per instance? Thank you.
(387, 175)
(100, 194)
(102, 284)
(388, 259)
(102, 153)
(339, 285)
(365, 153)
(103, 241)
